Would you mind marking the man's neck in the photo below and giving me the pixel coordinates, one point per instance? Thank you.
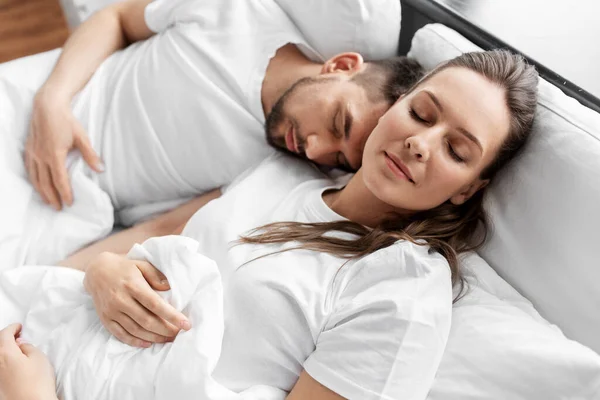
(287, 67)
(358, 204)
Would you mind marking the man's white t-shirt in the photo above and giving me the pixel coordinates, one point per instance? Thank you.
(373, 328)
(181, 113)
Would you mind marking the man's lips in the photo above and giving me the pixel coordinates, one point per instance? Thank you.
(398, 167)
(290, 140)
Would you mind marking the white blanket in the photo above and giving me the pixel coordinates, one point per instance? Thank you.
(59, 317)
(32, 232)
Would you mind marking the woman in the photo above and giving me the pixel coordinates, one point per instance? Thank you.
(353, 299)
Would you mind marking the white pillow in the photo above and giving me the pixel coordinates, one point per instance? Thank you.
(545, 207)
(500, 348)
(370, 27)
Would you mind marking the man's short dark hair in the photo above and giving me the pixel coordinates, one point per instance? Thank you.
(388, 79)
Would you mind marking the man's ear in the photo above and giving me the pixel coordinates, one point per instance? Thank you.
(467, 192)
(343, 62)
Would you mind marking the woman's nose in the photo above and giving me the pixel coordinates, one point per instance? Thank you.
(418, 147)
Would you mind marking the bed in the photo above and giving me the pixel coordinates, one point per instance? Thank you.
(530, 326)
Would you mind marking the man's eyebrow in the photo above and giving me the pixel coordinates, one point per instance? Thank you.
(465, 132)
(337, 112)
(348, 122)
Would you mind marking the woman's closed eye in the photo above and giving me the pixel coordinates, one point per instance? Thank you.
(454, 154)
(451, 150)
(417, 117)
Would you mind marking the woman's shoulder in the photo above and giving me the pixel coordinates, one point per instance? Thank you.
(407, 259)
(402, 269)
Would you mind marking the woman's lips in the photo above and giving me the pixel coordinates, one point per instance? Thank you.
(396, 168)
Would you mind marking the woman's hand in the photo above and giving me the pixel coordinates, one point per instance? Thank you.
(126, 303)
(25, 372)
(53, 132)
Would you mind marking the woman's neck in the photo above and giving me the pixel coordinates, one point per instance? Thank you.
(356, 203)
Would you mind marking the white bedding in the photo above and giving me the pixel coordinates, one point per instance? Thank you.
(59, 317)
(32, 232)
(30, 71)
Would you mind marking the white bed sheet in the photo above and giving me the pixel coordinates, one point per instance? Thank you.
(30, 71)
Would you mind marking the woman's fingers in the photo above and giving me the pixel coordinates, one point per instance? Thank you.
(157, 306)
(153, 276)
(150, 318)
(146, 319)
(120, 333)
(30, 350)
(8, 344)
(11, 332)
(119, 288)
(134, 329)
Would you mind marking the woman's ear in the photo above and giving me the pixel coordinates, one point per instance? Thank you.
(343, 62)
(467, 192)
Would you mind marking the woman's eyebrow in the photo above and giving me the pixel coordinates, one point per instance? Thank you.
(435, 100)
(465, 132)
(471, 137)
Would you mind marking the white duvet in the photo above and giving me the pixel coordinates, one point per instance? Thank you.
(32, 232)
(58, 316)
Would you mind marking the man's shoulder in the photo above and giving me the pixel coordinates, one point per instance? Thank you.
(286, 167)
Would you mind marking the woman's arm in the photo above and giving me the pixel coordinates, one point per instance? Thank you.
(308, 388)
(123, 290)
(169, 223)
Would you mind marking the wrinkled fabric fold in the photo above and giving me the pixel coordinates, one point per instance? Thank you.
(59, 317)
(32, 232)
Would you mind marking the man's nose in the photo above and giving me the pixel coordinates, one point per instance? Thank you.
(321, 148)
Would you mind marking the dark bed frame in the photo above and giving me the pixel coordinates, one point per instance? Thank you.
(418, 13)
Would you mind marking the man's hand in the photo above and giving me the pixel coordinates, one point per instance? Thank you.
(53, 132)
(128, 307)
(25, 372)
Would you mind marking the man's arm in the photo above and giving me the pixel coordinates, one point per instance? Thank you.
(169, 223)
(54, 130)
(107, 31)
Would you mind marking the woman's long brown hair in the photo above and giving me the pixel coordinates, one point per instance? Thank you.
(448, 229)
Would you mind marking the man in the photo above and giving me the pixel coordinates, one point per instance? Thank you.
(180, 93)
(170, 99)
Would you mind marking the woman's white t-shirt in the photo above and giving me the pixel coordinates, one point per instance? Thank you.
(373, 328)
